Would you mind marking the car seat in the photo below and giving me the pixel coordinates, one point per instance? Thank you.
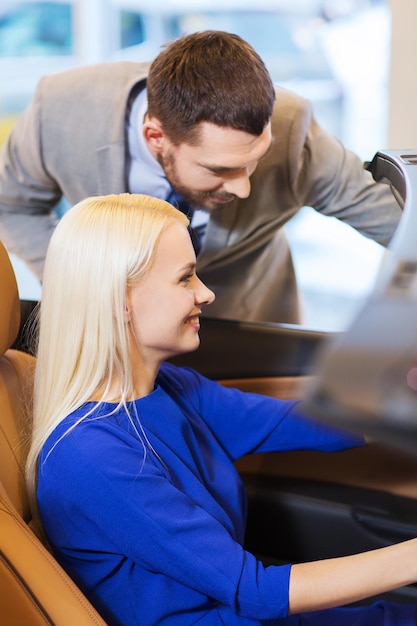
(34, 589)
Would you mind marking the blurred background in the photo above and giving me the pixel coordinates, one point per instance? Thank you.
(337, 53)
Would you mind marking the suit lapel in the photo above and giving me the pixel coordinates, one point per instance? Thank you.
(111, 169)
(219, 229)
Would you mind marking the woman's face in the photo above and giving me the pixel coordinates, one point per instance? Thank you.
(164, 307)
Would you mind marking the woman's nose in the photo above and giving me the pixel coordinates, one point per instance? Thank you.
(204, 295)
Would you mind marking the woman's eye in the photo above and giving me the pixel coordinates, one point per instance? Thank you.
(187, 278)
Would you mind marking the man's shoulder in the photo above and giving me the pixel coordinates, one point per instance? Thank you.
(110, 74)
(291, 117)
(90, 84)
(287, 100)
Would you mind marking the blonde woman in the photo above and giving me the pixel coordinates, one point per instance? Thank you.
(131, 466)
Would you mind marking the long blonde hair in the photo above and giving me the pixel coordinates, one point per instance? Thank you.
(100, 247)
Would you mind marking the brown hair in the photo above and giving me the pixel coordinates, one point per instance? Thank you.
(210, 76)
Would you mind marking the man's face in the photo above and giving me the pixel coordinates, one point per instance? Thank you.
(217, 170)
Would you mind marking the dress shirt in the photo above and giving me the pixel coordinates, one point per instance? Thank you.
(146, 174)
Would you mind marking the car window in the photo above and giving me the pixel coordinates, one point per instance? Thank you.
(132, 29)
(35, 28)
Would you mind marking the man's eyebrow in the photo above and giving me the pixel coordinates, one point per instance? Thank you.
(222, 169)
(265, 154)
(269, 149)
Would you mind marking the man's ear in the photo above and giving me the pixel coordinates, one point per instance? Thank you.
(154, 135)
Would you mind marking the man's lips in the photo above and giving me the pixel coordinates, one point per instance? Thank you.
(222, 199)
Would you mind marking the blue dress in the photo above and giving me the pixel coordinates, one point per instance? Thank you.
(143, 506)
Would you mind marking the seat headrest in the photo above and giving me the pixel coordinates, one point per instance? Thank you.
(9, 303)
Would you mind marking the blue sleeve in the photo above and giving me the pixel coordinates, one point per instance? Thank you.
(248, 423)
(120, 507)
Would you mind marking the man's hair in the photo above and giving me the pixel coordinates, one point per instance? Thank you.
(210, 76)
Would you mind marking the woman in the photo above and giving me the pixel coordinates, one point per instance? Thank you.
(131, 465)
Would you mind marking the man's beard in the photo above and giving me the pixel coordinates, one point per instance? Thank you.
(199, 199)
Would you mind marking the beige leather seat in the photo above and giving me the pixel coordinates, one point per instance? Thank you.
(34, 589)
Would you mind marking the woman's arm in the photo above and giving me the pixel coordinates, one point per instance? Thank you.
(340, 581)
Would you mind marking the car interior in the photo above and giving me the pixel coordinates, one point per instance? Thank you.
(302, 505)
(34, 589)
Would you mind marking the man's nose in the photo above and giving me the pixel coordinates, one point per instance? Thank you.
(238, 184)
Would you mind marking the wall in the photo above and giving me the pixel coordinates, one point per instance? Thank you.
(402, 116)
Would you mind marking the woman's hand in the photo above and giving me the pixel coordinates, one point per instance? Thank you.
(340, 581)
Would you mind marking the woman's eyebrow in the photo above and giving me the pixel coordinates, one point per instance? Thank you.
(189, 267)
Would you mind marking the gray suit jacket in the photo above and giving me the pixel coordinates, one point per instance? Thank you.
(71, 141)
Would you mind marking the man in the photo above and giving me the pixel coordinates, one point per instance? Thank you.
(203, 124)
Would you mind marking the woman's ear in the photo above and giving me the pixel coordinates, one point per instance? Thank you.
(127, 315)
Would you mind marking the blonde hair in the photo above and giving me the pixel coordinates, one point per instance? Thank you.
(100, 247)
